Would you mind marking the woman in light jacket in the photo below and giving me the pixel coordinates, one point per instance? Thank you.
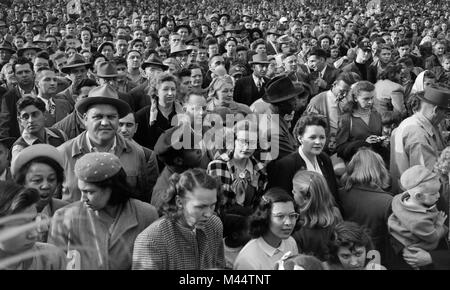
(99, 231)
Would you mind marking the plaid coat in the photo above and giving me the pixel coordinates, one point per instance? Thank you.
(224, 169)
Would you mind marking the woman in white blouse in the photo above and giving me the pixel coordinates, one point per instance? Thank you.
(271, 226)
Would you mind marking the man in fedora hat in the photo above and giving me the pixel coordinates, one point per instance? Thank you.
(5, 158)
(6, 51)
(107, 74)
(153, 66)
(101, 112)
(180, 53)
(250, 88)
(281, 94)
(418, 140)
(23, 72)
(76, 69)
(271, 44)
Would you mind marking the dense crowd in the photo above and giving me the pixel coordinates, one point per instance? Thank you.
(192, 135)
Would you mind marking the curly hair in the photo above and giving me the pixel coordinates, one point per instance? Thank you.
(309, 119)
(442, 166)
(261, 217)
(355, 91)
(163, 77)
(349, 235)
(181, 184)
(16, 198)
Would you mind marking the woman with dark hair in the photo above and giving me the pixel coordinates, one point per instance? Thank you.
(389, 93)
(22, 251)
(351, 247)
(310, 131)
(40, 167)
(365, 199)
(271, 226)
(360, 125)
(242, 175)
(99, 231)
(189, 234)
(157, 117)
(318, 213)
(86, 36)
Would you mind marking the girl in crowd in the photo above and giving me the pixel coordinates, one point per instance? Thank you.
(22, 251)
(189, 234)
(99, 231)
(389, 92)
(271, 226)
(360, 125)
(318, 213)
(351, 248)
(156, 118)
(365, 199)
(243, 177)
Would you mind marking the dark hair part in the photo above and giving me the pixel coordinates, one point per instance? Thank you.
(261, 217)
(310, 119)
(120, 189)
(180, 184)
(349, 235)
(19, 178)
(390, 72)
(30, 101)
(22, 61)
(15, 198)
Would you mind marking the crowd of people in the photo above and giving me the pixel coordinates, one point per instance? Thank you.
(259, 135)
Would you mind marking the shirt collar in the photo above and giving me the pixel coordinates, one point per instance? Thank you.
(426, 124)
(269, 250)
(33, 92)
(94, 149)
(30, 139)
(309, 166)
(47, 102)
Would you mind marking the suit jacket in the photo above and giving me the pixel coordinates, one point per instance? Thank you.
(246, 92)
(139, 96)
(352, 67)
(9, 127)
(282, 171)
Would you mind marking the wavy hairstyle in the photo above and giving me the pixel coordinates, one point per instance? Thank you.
(261, 217)
(349, 235)
(181, 184)
(320, 210)
(15, 198)
(356, 89)
(366, 168)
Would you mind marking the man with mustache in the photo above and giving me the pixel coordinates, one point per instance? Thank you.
(101, 112)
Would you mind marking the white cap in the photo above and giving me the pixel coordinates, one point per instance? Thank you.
(283, 19)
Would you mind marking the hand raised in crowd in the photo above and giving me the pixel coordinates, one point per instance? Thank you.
(372, 139)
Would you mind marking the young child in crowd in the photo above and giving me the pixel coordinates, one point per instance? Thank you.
(415, 220)
(443, 72)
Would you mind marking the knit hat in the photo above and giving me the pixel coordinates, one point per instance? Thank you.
(415, 176)
(96, 167)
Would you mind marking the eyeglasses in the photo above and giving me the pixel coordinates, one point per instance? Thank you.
(248, 143)
(282, 217)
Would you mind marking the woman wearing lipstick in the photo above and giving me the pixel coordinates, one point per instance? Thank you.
(156, 118)
(40, 167)
(98, 232)
(271, 226)
(243, 177)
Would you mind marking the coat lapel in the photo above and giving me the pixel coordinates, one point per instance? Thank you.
(126, 220)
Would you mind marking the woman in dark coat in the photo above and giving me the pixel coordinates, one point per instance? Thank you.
(364, 199)
(361, 125)
(310, 132)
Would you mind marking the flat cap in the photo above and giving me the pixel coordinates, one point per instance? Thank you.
(97, 166)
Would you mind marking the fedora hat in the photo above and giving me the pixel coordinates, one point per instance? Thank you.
(281, 89)
(104, 94)
(259, 58)
(107, 70)
(5, 45)
(40, 39)
(8, 141)
(179, 48)
(437, 96)
(74, 61)
(28, 46)
(154, 61)
(284, 39)
(27, 19)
